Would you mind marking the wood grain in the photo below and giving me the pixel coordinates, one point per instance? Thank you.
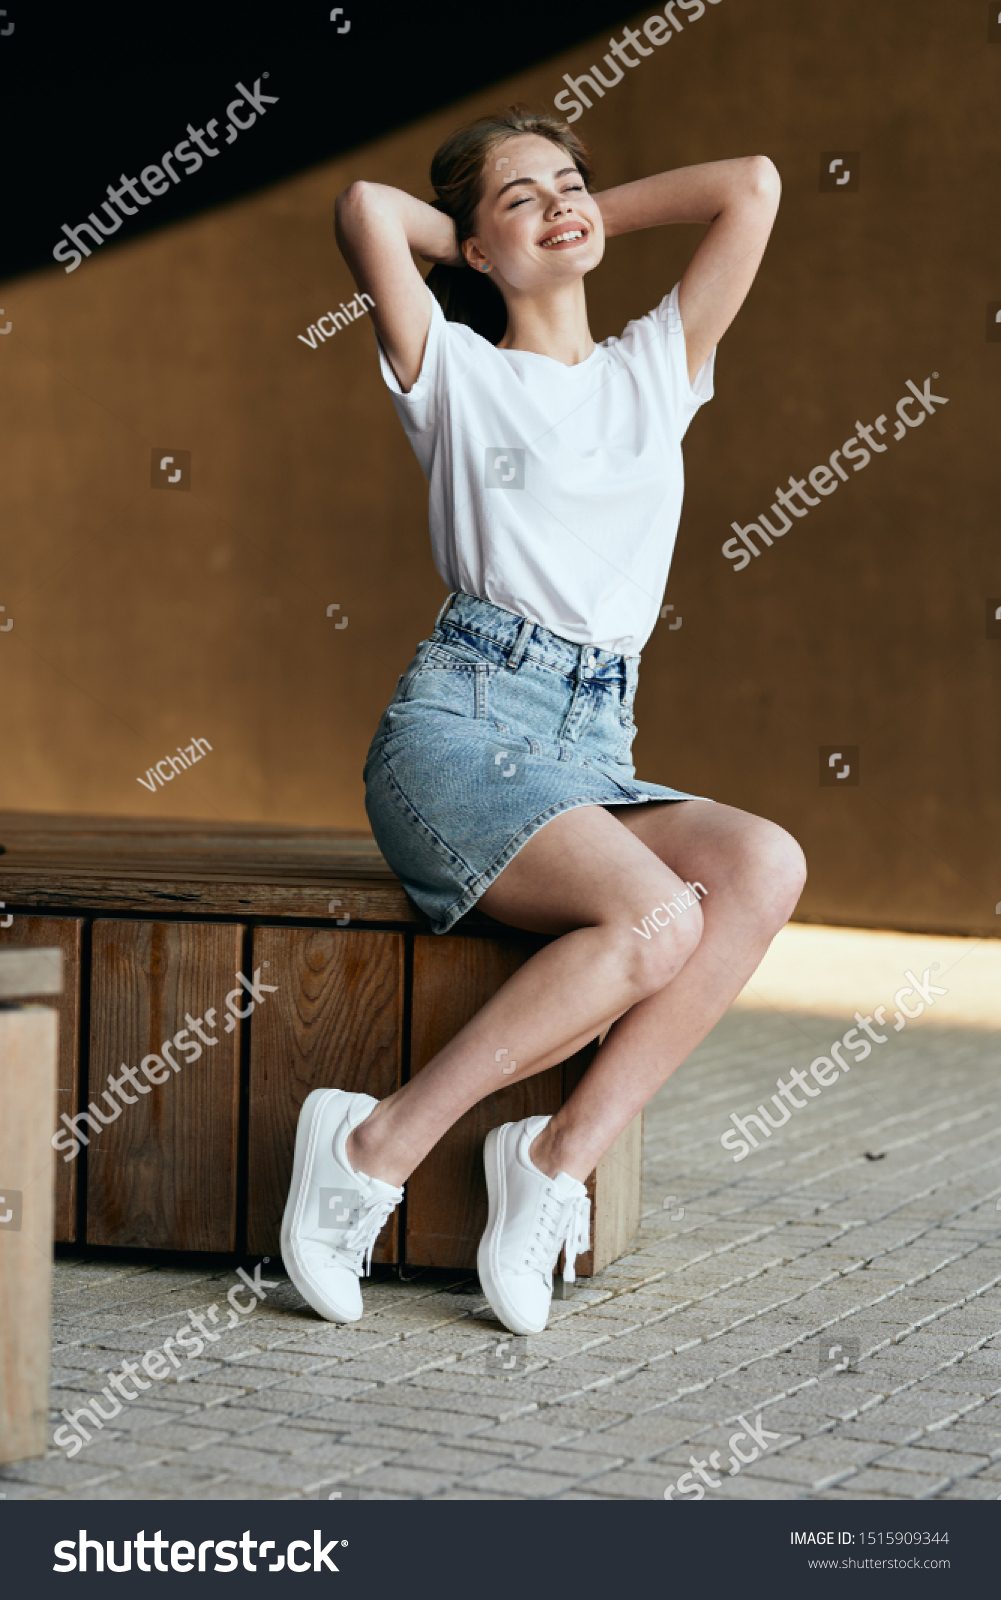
(232, 870)
(336, 1022)
(28, 1047)
(67, 934)
(446, 1196)
(163, 1174)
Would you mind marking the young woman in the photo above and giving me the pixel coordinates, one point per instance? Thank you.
(500, 774)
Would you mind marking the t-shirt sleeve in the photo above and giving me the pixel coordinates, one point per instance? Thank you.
(656, 342)
(418, 408)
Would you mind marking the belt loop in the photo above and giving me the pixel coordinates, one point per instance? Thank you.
(445, 607)
(518, 648)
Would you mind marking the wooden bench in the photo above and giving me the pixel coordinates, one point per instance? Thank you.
(155, 921)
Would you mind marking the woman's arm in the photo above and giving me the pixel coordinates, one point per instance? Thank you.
(739, 200)
(376, 228)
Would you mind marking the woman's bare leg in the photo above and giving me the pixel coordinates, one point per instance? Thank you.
(590, 879)
(753, 873)
(599, 874)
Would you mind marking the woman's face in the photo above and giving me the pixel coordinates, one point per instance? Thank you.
(536, 224)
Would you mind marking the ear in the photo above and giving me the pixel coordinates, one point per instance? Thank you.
(475, 257)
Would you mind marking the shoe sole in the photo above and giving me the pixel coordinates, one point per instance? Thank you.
(488, 1254)
(306, 1135)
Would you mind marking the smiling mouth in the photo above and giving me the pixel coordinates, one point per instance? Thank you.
(570, 236)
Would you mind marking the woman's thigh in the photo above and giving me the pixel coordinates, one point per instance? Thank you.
(582, 869)
(721, 848)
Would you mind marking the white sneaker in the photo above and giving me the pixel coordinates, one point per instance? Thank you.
(531, 1218)
(333, 1214)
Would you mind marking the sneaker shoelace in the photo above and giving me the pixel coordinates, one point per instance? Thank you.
(359, 1241)
(560, 1224)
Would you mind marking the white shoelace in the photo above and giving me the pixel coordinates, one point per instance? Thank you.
(560, 1223)
(359, 1241)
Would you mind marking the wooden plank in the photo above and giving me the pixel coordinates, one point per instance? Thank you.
(56, 823)
(162, 1174)
(231, 869)
(108, 864)
(29, 1040)
(446, 1196)
(336, 1022)
(107, 891)
(67, 934)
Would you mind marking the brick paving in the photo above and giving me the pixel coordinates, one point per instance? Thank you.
(872, 1215)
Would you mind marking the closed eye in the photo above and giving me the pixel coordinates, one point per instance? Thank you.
(571, 188)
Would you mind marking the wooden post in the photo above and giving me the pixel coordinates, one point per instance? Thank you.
(29, 932)
(29, 1042)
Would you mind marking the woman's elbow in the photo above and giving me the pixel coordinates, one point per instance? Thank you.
(763, 178)
(355, 207)
(353, 203)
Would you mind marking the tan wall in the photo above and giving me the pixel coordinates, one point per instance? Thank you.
(144, 618)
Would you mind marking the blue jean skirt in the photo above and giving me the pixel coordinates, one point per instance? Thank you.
(496, 727)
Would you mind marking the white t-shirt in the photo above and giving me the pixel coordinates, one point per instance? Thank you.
(555, 491)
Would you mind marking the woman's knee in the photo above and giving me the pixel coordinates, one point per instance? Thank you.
(772, 871)
(655, 950)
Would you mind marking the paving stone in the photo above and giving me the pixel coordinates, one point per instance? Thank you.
(746, 1487)
(559, 1462)
(408, 1482)
(943, 1463)
(470, 1494)
(280, 1473)
(525, 1484)
(58, 1471)
(179, 1436)
(627, 1483)
(903, 1485)
(455, 1461)
(539, 1430)
(233, 1488)
(174, 1480)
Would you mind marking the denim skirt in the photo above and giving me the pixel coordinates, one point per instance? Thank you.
(495, 728)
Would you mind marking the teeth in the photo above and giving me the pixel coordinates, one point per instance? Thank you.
(577, 233)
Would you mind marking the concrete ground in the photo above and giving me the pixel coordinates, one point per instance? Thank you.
(819, 1320)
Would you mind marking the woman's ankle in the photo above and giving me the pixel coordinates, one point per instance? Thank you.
(545, 1153)
(366, 1152)
(551, 1153)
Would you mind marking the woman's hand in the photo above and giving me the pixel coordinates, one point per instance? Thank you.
(454, 256)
